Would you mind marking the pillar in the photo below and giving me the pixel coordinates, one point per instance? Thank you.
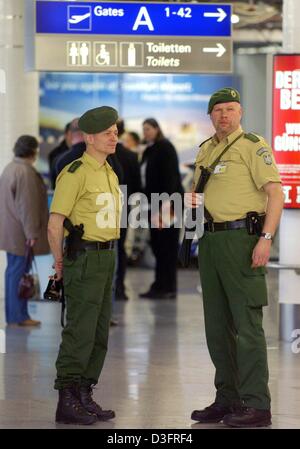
(19, 103)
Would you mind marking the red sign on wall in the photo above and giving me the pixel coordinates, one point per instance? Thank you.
(286, 124)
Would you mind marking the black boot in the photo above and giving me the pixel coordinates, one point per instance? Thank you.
(86, 399)
(248, 417)
(211, 414)
(70, 411)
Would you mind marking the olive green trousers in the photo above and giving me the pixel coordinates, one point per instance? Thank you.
(87, 285)
(233, 297)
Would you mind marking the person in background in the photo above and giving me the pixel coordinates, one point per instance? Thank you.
(24, 217)
(135, 238)
(76, 150)
(132, 181)
(62, 148)
(160, 174)
(132, 141)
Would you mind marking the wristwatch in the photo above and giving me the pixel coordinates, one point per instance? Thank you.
(266, 235)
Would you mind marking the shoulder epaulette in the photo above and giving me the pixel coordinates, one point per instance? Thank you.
(252, 137)
(74, 166)
(202, 143)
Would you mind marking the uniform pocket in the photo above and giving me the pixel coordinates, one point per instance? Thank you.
(255, 286)
(228, 163)
(67, 277)
(74, 269)
(93, 197)
(259, 271)
(232, 157)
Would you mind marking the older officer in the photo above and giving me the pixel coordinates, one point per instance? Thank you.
(87, 193)
(243, 200)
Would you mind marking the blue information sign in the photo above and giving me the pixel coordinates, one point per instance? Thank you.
(143, 18)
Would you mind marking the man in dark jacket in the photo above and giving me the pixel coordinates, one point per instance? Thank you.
(62, 148)
(76, 150)
(132, 180)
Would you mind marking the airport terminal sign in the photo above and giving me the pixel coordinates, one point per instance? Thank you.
(130, 18)
(286, 124)
(132, 37)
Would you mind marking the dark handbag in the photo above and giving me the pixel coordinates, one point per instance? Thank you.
(29, 284)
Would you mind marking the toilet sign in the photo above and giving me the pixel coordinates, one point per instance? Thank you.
(144, 37)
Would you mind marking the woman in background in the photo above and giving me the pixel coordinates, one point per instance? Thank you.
(160, 173)
(24, 218)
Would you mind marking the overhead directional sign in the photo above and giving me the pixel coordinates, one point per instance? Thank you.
(133, 37)
(155, 19)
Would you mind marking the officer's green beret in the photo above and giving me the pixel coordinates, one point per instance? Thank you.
(225, 95)
(97, 120)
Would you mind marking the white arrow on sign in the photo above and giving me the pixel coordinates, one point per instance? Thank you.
(221, 14)
(219, 49)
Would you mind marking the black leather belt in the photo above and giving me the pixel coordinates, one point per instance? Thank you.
(225, 225)
(85, 244)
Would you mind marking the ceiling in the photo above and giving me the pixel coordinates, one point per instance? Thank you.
(259, 22)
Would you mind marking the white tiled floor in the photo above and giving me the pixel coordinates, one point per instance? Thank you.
(157, 369)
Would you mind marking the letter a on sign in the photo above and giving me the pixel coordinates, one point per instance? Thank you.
(143, 18)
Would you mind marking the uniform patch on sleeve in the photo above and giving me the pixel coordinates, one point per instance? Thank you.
(262, 151)
(267, 158)
(74, 166)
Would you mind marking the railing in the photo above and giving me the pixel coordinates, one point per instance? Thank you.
(281, 266)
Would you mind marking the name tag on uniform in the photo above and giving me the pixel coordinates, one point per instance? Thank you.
(220, 168)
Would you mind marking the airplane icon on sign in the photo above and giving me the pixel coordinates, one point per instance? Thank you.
(79, 18)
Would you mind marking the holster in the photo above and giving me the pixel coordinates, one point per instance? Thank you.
(74, 239)
(254, 223)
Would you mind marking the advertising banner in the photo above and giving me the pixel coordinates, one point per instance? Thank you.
(286, 124)
(178, 102)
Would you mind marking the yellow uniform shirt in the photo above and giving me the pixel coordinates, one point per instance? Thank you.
(90, 194)
(235, 187)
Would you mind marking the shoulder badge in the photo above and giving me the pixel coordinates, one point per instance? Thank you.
(74, 166)
(262, 151)
(252, 137)
(202, 143)
(267, 158)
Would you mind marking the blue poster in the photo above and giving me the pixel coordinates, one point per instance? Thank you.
(178, 102)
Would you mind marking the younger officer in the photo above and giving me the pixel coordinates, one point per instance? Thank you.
(87, 193)
(244, 199)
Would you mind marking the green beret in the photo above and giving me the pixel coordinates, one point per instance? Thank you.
(97, 120)
(225, 95)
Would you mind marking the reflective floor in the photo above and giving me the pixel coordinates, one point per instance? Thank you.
(157, 369)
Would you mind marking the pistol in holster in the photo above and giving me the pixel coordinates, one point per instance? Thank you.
(254, 223)
(74, 239)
